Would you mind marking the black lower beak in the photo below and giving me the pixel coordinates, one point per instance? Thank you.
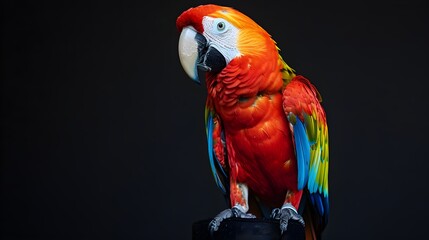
(212, 61)
(209, 58)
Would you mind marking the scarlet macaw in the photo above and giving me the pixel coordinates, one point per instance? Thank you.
(267, 133)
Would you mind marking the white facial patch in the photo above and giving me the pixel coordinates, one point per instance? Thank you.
(223, 36)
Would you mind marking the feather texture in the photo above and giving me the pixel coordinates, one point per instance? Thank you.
(302, 101)
(302, 147)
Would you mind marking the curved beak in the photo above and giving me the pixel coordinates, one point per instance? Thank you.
(196, 53)
(188, 52)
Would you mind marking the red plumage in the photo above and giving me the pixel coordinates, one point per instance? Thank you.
(260, 150)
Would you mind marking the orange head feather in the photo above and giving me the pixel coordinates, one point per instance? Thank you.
(252, 40)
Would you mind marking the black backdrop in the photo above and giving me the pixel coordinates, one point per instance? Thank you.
(103, 133)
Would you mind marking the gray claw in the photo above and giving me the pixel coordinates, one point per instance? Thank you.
(215, 223)
(227, 213)
(284, 214)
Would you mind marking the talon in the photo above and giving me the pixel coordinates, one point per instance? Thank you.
(286, 213)
(215, 223)
(238, 213)
(227, 213)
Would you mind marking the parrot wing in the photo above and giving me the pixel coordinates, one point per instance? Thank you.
(301, 103)
(216, 148)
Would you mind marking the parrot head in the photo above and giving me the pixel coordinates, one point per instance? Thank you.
(212, 36)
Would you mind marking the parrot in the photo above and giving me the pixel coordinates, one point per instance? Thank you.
(266, 129)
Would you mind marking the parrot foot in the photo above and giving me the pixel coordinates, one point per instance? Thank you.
(284, 214)
(228, 213)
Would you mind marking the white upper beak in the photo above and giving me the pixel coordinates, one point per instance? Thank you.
(188, 52)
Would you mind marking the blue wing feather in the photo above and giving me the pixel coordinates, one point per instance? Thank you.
(212, 156)
(302, 146)
(317, 200)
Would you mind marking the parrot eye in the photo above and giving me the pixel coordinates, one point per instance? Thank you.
(220, 26)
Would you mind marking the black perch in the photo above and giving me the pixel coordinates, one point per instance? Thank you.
(248, 229)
